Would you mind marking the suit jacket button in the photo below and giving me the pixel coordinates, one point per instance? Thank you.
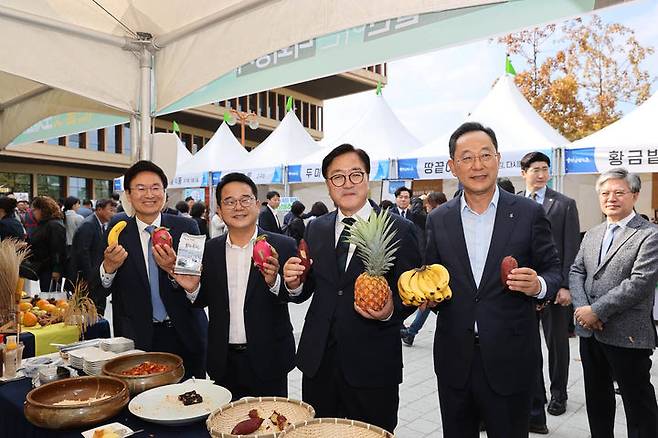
(477, 299)
(340, 293)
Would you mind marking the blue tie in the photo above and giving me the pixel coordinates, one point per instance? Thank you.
(607, 240)
(159, 311)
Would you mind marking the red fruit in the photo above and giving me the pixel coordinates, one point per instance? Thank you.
(304, 255)
(506, 267)
(262, 250)
(247, 427)
(161, 236)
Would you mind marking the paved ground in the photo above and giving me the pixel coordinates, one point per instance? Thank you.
(419, 412)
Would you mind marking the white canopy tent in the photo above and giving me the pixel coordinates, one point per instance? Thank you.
(287, 142)
(379, 132)
(629, 142)
(518, 127)
(138, 58)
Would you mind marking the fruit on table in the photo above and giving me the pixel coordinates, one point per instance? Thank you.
(29, 319)
(62, 304)
(24, 306)
(376, 248)
(41, 304)
(506, 267)
(162, 237)
(427, 283)
(51, 308)
(113, 235)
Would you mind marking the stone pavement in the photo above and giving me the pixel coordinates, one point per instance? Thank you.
(419, 406)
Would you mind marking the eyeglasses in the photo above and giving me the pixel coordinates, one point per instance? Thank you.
(245, 202)
(143, 190)
(616, 193)
(469, 160)
(354, 177)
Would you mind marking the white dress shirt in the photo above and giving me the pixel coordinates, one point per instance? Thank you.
(276, 217)
(541, 194)
(363, 213)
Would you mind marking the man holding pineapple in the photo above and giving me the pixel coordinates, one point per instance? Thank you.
(350, 351)
(486, 339)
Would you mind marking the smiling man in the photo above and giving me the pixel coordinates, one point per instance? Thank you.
(486, 341)
(612, 282)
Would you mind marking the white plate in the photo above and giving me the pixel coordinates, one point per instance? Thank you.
(117, 428)
(161, 405)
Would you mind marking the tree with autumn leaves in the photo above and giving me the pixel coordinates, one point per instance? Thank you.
(578, 88)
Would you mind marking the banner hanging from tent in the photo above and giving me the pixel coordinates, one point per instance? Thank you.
(437, 167)
(189, 180)
(597, 160)
(312, 173)
(268, 175)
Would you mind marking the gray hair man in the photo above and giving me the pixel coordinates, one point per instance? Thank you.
(612, 285)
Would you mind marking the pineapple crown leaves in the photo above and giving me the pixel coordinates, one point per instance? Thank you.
(374, 241)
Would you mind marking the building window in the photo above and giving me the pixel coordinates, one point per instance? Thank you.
(51, 185)
(320, 119)
(197, 144)
(158, 129)
(101, 140)
(253, 103)
(102, 188)
(298, 109)
(187, 139)
(313, 117)
(271, 104)
(92, 140)
(16, 182)
(53, 141)
(78, 187)
(74, 141)
(126, 140)
(305, 115)
(110, 145)
(281, 106)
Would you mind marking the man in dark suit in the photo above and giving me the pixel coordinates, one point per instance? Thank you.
(251, 348)
(147, 305)
(351, 358)
(268, 219)
(612, 283)
(486, 341)
(86, 249)
(562, 213)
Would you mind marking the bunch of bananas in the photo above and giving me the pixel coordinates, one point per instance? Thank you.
(427, 283)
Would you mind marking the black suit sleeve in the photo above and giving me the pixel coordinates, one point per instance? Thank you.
(544, 254)
(83, 253)
(571, 242)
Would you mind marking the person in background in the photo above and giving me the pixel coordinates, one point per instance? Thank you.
(26, 217)
(183, 208)
(72, 221)
(268, 219)
(612, 283)
(86, 209)
(434, 199)
(116, 197)
(296, 227)
(10, 226)
(48, 242)
(506, 184)
(198, 212)
(190, 202)
(385, 204)
(217, 225)
(317, 209)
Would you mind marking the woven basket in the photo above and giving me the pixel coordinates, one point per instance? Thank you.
(334, 427)
(221, 422)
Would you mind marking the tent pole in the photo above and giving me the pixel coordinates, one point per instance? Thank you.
(286, 184)
(134, 138)
(146, 67)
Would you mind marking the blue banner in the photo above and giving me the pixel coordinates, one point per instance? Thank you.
(580, 161)
(295, 173)
(382, 170)
(216, 177)
(408, 168)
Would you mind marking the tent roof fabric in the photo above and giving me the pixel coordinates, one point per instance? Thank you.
(515, 122)
(632, 130)
(287, 142)
(223, 151)
(379, 132)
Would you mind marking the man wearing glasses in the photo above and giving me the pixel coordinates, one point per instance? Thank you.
(251, 348)
(486, 341)
(612, 283)
(351, 359)
(147, 303)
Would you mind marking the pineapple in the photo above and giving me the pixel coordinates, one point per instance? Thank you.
(375, 246)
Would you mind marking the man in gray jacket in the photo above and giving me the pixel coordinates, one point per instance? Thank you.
(612, 285)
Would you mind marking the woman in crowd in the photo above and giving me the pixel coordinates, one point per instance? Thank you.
(317, 209)
(296, 227)
(197, 212)
(48, 242)
(10, 226)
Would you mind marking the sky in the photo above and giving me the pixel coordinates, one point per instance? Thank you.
(432, 93)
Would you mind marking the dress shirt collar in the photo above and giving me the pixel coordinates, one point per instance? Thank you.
(541, 193)
(623, 222)
(494, 201)
(141, 226)
(363, 213)
(230, 244)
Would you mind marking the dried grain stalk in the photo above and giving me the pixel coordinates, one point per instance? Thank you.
(82, 310)
(12, 253)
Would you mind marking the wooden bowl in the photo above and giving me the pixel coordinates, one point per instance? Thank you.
(40, 408)
(137, 384)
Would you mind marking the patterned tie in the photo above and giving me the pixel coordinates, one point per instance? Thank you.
(534, 196)
(607, 240)
(404, 214)
(343, 246)
(159, 311)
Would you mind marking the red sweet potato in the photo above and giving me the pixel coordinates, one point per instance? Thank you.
(247, 427)
(506, 267)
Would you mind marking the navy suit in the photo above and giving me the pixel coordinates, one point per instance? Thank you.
(270, 346)
(131, 299)
(498, 364)
(267, 221)
(344, 356)
(86, 251)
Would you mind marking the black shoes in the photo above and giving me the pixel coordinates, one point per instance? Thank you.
(557, 407)
(541, 429)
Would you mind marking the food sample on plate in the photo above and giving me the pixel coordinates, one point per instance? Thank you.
(67, 402)
(256, 422)
(190, 398)
(105, 433)
(146, 368)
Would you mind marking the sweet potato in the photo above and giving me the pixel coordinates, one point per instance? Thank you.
(506, 267)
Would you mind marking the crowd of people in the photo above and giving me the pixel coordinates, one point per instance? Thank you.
(487, 349)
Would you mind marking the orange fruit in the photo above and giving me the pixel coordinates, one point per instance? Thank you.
(62, 304)
(29, 319)
(24, 306)
(50, 308)
(41, 304)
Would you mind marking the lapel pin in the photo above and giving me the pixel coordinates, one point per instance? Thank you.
(511, 215)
